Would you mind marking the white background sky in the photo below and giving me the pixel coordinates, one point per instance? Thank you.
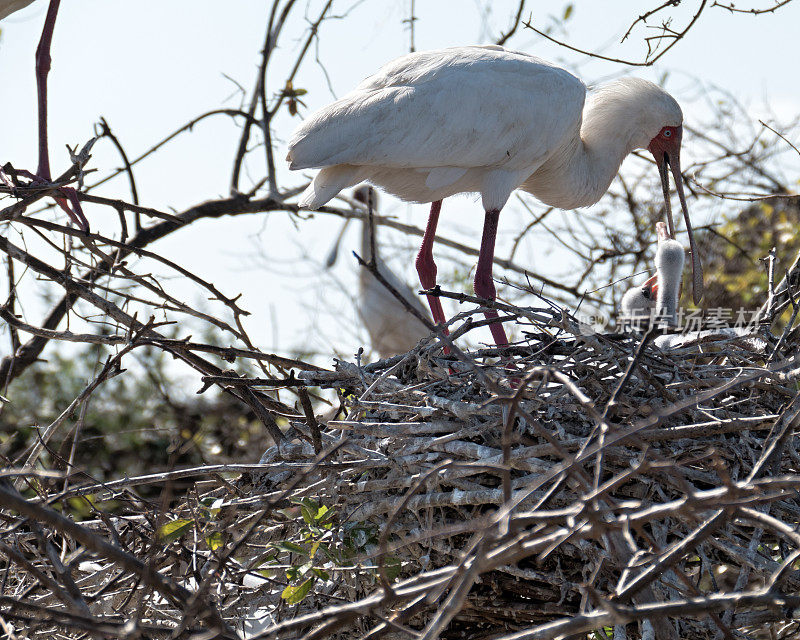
(148, 66)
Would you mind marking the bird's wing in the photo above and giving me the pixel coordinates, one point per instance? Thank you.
(461, 107)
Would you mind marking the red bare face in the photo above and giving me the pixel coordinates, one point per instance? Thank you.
(668, 139)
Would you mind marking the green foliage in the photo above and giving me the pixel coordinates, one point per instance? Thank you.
(215, 541)
(174, 530)
(736, 275)
(122, 415)
(319, 542)
(310, 547)
(206, 523)
(294, 594)
(141, 420)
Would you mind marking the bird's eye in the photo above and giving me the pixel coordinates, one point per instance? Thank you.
(667, 133)
(646, 292)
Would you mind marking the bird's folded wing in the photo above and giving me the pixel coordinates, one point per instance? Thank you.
(486, 113)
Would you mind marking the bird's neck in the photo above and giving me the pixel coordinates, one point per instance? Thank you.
(579, 173)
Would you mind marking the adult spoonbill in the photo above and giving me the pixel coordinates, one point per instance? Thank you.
(7, 7)
(484, 119)
(391, 328)
(660, 293)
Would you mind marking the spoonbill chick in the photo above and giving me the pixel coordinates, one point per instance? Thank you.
(659, 295)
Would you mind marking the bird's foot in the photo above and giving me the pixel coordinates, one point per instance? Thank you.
(64, 197)
(76, 212)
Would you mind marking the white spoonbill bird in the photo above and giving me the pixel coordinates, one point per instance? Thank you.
(7, 7)
(660, 293)
(483, 119)
(391, 328)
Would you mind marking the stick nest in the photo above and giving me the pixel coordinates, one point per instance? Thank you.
(570, 484)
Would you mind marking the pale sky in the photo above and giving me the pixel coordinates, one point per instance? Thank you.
(150, 66)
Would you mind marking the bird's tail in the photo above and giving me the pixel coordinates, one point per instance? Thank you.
(327, 183)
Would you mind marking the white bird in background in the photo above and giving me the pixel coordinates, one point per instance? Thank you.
(392, 329)
(7, 7)
(660, 293)
(484, 119)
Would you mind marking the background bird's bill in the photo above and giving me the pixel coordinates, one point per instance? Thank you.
(333, 254)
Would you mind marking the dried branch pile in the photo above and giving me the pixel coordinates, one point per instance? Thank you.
(579, 482)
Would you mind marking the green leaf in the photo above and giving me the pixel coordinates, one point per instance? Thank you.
(295, 594)
(333, 557)
(312, 511)
(268, 559)
(308, 514)
(290, 547)
(568, 11)
(324, 513)
(321, 574)
(81, 508)
(214, 541)
(174, 529)
(290, 513)
(216, 507)
(392, 567)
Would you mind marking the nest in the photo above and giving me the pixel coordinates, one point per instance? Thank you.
(573, 483)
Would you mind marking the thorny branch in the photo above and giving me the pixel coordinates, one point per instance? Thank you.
(657, 46)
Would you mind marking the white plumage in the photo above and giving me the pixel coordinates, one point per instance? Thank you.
(486, 120)
(741, 336)
(436, 113)
(669, 266)
(658, 297)
(639, 302)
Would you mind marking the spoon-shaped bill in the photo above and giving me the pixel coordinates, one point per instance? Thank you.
(334, 251)
(667, 155)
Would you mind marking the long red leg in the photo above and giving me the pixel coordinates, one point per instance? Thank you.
(43, 62)
(42, 69)
(484, 285)
(426, 267)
